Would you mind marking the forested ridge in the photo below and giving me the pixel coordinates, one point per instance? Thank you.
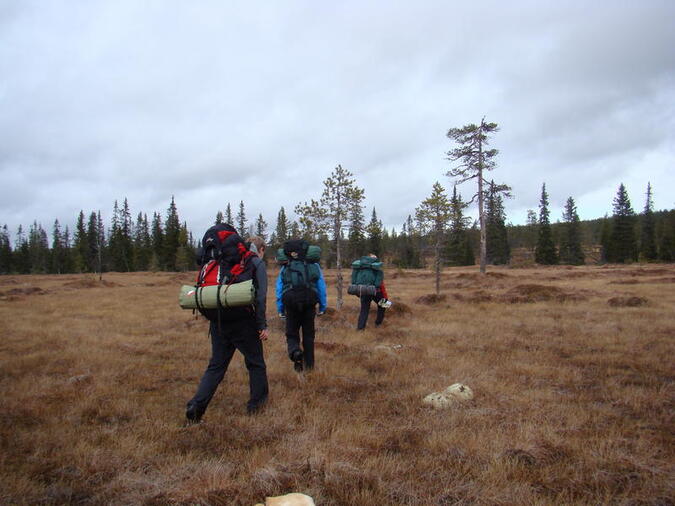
(163, 242)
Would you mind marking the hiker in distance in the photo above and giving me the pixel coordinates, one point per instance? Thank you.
(368, 284)
(299, 287)
(226, 260)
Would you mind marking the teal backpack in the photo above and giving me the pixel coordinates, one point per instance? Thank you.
(367, 271)
(300, 274)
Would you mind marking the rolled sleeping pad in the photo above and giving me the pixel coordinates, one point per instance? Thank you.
(234, 295)
(362, 290)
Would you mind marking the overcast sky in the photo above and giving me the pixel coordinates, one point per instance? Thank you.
(217, 102)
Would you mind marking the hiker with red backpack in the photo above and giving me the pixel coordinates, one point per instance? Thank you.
(227, 264)
(368, 285)
(300, 287)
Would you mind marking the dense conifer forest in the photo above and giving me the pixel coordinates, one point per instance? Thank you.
(437, 231)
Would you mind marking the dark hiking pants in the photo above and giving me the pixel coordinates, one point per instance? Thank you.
(296, 320)
(227, 337)
(365, 309)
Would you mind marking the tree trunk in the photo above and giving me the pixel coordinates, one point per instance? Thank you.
(438, 263)
(338, 260)
(481, 212)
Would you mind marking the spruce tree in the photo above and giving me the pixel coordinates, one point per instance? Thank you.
(142, 243)
(458, 250)
(623, 245)
(95, 244)
(666, 236)
(171, 236)
(571, 251)
(21, 254)
(261, 227)
(497, 246)
(80, 245)
(38, 247)
(5, 251)
(58, 250)
(157, 240)
(545, 252)
(605, 235)
(67, 252)
(648, 229)
(116, 241)
(356, 235)
(281, 230)
(532, 230)
(434, 214)
(228, 215)
(241, 220)
(126, 236)
(475, 159)
(219, 218)
(294, 230)
(375, 234)
(184, 254)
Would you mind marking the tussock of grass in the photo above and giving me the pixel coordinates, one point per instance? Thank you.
(573, 397)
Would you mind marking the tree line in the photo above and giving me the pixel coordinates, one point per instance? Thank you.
(437, 233)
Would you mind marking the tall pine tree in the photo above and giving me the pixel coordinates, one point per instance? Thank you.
(497, 246)
(241, 220)
(96, 244)
(475, 159)
(622, 241)
(356, 236)
(434, 214)
(545, 252)
(459, 250)
(375, 235)
(332, 213)
(261, 227)
(171, 236)
(5, 251)
(571, 251)
(648, 229)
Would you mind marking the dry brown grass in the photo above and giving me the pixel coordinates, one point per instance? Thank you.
(574, 396)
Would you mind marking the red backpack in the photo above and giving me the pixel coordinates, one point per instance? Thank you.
(225, 259)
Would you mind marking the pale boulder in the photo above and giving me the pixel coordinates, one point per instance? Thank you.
(459, 391)
(294, 499)
(454, 394)
(438, 400)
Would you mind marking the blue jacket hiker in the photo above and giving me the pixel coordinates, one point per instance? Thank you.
(300, 286)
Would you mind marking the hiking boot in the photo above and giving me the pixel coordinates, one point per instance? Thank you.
(255, 409)
(297, 360)
(193, 414)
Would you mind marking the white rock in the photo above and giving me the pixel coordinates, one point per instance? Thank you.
(293, 499)
(438, 400)
(459, 391)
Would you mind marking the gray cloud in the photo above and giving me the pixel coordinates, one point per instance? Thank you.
(217, 104)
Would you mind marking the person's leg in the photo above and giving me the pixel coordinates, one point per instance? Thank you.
(221, 355)
(293, 323)
(365, 309)
(249, 344)
(380, 312)
(308, 333)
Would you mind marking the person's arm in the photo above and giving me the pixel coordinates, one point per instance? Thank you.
(383, 290)
(261, 293)
(321, 289)
(278, 291)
